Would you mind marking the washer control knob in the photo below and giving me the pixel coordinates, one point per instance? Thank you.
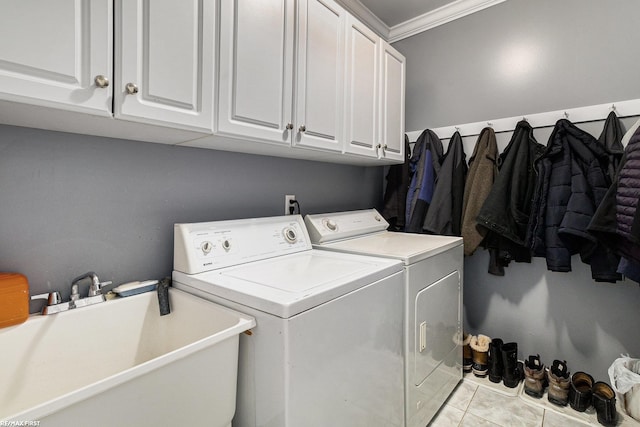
(226, 245)
(206, 247)
(290, 235)
(331, 225)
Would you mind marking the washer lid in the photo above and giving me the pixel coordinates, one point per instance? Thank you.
(409, 248)
(290, 284)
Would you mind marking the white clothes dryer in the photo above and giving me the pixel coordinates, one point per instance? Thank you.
(327, 347)
(433, 273)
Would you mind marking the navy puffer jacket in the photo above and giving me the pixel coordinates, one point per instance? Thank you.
(572, 181)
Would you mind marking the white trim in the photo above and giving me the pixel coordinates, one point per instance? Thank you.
(436, 17)
(360, 11)
(576, 115)
(413, 26)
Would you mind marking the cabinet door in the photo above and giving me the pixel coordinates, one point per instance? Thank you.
(392, 104)
(256, 68)
(52, 52)
(165, 62)
(362, 89)
(319, 86)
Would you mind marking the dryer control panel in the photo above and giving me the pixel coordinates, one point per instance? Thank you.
(205, 246)
(330, 227)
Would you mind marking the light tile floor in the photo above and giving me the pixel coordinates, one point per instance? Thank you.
(479, 402)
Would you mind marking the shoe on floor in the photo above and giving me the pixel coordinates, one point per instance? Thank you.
(480, 349)
(604, 400)
(580, 391)
(534, 376)
(559, 380)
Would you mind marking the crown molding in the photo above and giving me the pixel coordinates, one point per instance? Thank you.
(363, 13)
(436, 17)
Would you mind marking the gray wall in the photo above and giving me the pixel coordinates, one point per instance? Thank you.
(523, 57)
(73, 203)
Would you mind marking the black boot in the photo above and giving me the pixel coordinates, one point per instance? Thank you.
(513, 370)
(496, 367)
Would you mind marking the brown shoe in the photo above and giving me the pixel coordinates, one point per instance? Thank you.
(534, 376)
(480, 349)
(467, 359)
(559, 380)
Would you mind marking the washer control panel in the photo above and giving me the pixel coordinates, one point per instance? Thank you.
(206, 246)
(343, 225)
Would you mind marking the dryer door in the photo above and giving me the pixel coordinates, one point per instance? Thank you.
(436, 329)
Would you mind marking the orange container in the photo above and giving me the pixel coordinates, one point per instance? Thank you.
(14, 299)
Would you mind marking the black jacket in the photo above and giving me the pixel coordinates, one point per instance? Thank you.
(572, 181)
(505, 212)
(445, 214)
(395, 194)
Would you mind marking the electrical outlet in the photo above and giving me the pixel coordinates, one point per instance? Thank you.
(288, 205)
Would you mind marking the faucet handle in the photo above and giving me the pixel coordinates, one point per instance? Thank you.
(52, 298)
(97, 289)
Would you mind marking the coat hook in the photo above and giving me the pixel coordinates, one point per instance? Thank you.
(525, 119)
(457, 129)
(613, 107)
(566, 115)
(489, 124)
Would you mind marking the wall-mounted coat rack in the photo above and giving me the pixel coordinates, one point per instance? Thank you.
(589, 113)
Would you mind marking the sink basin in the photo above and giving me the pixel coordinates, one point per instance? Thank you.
(121, 363)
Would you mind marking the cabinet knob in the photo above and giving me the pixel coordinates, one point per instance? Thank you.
(101, 81)
(302, 128)
(131, 88)
(289, 126)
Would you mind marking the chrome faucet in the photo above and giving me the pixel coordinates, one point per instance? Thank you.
(95, 287)
(95, 296)
(95, 290)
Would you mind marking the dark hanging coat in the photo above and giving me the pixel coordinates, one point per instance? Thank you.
(572, 181)
(617, 220)
(445, 214)
(424, 168)
(611, 140)
(482, 172)
(605, 222)
(395, 194)
(506, 210)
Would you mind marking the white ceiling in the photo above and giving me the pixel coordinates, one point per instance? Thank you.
(396, 12)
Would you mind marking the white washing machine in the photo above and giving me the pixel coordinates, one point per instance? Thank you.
(432, 303)
(327, 349)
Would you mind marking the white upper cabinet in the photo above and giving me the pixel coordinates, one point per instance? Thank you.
(362, 100)
(260, 98)
(292, 78)
(57, 54)
(392, 104)
(164, 58)
(319, 85)
(256, 66)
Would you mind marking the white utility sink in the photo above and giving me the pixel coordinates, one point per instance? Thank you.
(120, 363)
